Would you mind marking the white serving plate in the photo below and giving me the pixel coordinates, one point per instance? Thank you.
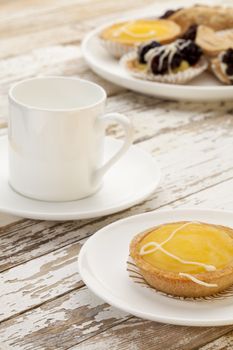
(203, 88)
(103, 267)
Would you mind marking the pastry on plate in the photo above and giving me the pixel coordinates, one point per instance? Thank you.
(175, 63)
(187, 259)
(212, 42)
(122, 37)
(215, 17)
(222, 66)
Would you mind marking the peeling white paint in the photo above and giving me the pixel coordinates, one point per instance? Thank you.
(175, 131)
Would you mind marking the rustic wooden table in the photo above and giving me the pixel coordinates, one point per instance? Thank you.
(43, 302)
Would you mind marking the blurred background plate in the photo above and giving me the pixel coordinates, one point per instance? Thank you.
(203, 88)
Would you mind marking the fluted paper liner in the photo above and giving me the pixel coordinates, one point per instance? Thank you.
(115, 49)
(128, 62)
(136, 276)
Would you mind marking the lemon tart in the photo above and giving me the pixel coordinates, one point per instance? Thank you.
(187, 259)
(122, 37)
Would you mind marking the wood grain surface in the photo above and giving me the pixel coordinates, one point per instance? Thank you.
(44, 303)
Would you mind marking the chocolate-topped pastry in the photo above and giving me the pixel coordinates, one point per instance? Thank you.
(144, 48)
(176, 63)
(227, 58)
(191, 52)
(222, 66)
(159, 66)
(167, 58)
(190, 33)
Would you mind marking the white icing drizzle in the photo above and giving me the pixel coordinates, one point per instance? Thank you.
(196, 280)
(159, 246)
(124, 29)
(166, 51)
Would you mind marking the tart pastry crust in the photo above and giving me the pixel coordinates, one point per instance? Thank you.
(178, 284)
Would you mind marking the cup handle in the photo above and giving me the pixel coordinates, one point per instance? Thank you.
(128, 128)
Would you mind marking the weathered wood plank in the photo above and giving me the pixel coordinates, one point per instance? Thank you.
(80, 315)
(223, 343)
(60, 323)
(57, 312)
(214, 197)
(57, 60)
(64, 34)
(5, 220)
(169, 134)
(14, 8)
(74, 12)
(39, 280)
(29, 239)
(137, 334)
(55, 274)
(27, 17)
(49, 28)
(205, 194)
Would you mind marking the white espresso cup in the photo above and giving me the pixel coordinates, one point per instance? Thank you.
(56, 138)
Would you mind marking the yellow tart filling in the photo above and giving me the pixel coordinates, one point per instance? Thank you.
(183, 66)
(143, 67)
(209, 248)
(137, 31)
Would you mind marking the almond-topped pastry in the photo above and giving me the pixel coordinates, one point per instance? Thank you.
(122, 37)
(188, 259)
(215, 17)
(176, 63)
(222, 67)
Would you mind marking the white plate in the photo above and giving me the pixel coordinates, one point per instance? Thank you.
(102, 265)
(128, 182)
(205, 87)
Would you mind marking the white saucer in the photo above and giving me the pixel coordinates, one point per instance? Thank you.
(203, 88)
(102, 265)
(129, 182)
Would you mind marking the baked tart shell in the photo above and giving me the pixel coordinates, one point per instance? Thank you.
(174, 284)
(130, 64)
(118, 48)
